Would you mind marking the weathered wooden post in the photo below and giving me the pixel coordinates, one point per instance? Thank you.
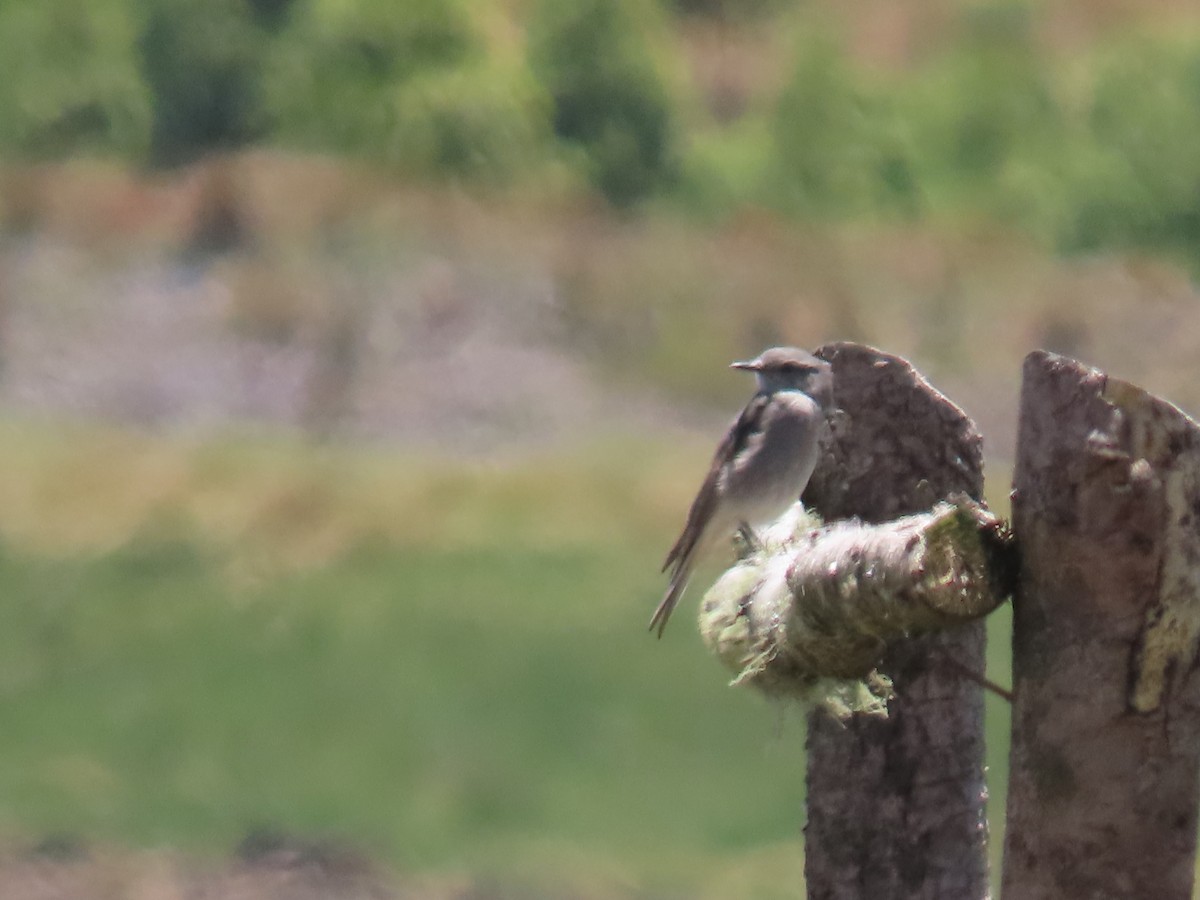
(1105, 763)
(896, 806)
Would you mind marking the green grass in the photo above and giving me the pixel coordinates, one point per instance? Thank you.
(446, 709)
(493, 707)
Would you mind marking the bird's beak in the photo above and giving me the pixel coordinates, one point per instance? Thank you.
(751, 365)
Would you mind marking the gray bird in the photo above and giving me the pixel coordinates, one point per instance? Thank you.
(761, 465)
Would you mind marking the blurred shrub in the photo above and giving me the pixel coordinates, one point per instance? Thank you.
(414, 87)
(838, 146)
(69, 80)
(727, 10)
(724, 168)
(1139, 184)
(984, 120)
(201, 60)
(271, 14)
(1098, 150)
(602, 63)
(484, 121)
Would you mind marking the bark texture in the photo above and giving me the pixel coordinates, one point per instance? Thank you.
(1106, 720)
(896, 805)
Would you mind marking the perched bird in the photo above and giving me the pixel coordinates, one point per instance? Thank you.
(761, 465)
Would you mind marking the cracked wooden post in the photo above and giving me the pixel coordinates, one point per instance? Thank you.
(896, 806)
(1105, 757)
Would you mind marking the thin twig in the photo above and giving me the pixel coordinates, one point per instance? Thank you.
(973, 676)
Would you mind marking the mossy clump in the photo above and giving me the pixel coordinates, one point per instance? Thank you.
(810, 614)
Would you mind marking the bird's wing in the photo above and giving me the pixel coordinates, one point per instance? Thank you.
(747, 427)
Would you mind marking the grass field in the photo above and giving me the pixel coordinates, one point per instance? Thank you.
(443, 665)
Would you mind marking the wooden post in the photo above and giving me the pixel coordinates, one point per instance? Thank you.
(1105, 759)
(896, 806)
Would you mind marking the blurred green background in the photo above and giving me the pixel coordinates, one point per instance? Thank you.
(359, 359)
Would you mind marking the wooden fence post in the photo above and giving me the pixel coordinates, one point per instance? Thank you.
(896, 806)
(1105, 760)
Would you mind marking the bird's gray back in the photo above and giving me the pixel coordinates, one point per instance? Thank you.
(778, 459)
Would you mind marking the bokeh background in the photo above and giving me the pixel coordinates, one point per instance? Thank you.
(359, 359)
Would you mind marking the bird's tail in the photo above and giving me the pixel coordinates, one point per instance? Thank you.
(679, 583)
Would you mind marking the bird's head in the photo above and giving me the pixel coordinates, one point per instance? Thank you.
(789, 368)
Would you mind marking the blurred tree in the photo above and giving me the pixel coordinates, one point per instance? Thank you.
(201, 60)
(1139, 186)
(727, 10)
(984, 118)
(601, 64)
(838, 150)
(416, 88)
(69, 81)
(271, 14)
(486, 121)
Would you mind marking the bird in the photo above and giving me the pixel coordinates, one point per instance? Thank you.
(761, 465)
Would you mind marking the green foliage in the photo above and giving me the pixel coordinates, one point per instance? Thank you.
(599, 60)
(201, 60)
(417, 90)
(988, 97)
(727, 10)
(985, 115)
(485, 122)
(725, 167)
(271, 14)
(1103, 155)
(1085, 151)
(837, 144)
(1139, 185)
(69, 80)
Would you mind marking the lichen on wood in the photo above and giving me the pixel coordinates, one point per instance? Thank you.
(1105, 758)
(1164, 445)
(812, 617)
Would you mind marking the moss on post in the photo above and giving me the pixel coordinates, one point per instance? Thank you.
(812, 616)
